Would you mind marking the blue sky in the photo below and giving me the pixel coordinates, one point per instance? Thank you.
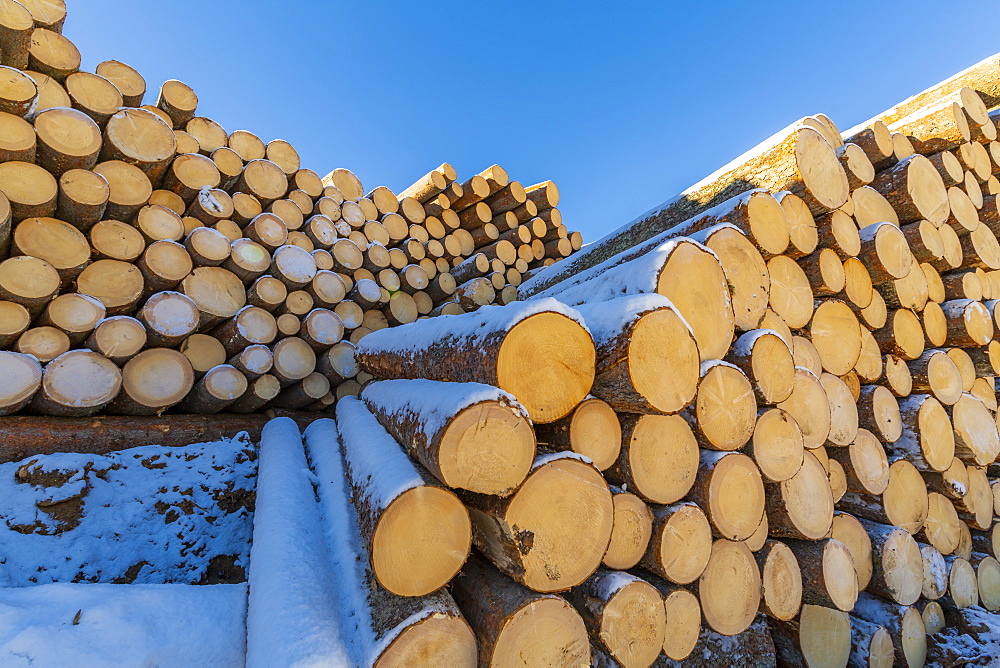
(621, 104)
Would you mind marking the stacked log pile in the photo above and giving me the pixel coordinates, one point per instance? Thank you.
(151, 260)
(760, 422)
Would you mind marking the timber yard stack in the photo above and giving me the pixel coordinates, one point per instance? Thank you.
(151, 259)
(759, 421)
(766, 409)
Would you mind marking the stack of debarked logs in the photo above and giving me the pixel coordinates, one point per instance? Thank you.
(150, 260)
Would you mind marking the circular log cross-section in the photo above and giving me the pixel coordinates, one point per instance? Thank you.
(658, 457)
(849, 531)
(681, 543)
(58, 243)
(836, 334)
(802, 506)
(22, 377)
(126, 79)
(776, 445)
(18, 93)
(562, 513)
(730, 490)
(809, 405)
(153, 381)
(77, 383)
(743, 264)
(74, 313)
(630, 531)
(781, 580)
(766, 360)
(725, 408)
(117, 284)
(45, 343)
(976, 437)
(592, 429)
(730, 587)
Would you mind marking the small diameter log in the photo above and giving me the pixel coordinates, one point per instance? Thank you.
(303, 393)
(77, 383)
(130, 189)
(776, 446)
(247, 261)
(251, 325)
(864, 463)
(828, 575)
(23, 377)
(512, 621)
(591, 429)
(258, 394)
(781, 581)
(564, 548)
(115, 240)
(19, 93)
(976, 506)
(927, 439)
(119, 338)
(125, 78)
(218, 293)
(767, 362)
(417, 533)
(975, 429)
(28, 281)
(935, 574)
(819, 636)
(169, 318)
(45, 343)
(903, 504)
(73, 313)
(915, 189)
(904, 624)
(178, 100)
(745, 270)
(117, 284)
(14, 320)
(902, 335)
(849, 531)
(630, 376)
(936, 373)
(338, 363)
(730, 588)
(253, 361)
(843, 410)
(969, 323)
(809, 405)
(470, 436)
(67, 139)
(802, 506)
(141, 395)
(825, 271)
(536, 351)
(294, 359)
(630, 532)
(398, 630)
(208, 247)
(658, 457)
(18, 139)
(16, 26)
(163, 265)
(217, 389)
(871, 645)
(206, 352)
(624, 615)
(728, 486)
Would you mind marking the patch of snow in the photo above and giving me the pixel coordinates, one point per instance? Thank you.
(607, 320)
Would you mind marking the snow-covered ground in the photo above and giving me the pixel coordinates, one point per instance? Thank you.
(94, 625)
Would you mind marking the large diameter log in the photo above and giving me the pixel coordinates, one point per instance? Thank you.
(119, 338)
(802, 506)
(729, 588)
(724, 413)
(819, 637)
(591, 429)
(903, 504)
(23, 377)
(729, 488)
(217, 389)
(828, 575)
(416, 532)
(976, 437)
(683, 271)
(781, 581)
(470, 436)
(658, 457)
(767, 362)
(398, 631)
(632, 374)
(511, 621)
(554, 549)
(538, 351)
(927, 439)
(904, 624)
(624, 615)
(630, 531)
(218, 293)
(797, 158)
(153, 381)
(67, 139)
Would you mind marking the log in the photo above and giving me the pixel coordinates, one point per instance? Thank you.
(781, 581)
(23, 375)
(730, 588)
(174, 379)
(44, 343)
(976, 437)
(404, 565)
(125, 78)
(398, 630)
(935, 579)
(871, 646)
(217, 389)
(852, 533)
(163, 265)
(628, 377)
(941, 529)
(253, 361)
(745, 270)
(828, 575)
(19, 93)
(469, 436)
(511, 621)
(591, 429)
(218, 293)
(776, 446)
(16, 26)
(864, 463)
(809, 405)
(73, 313)
(536, 351)
(801, 506)
(30, 190)
(904, 625)
(118, 285)
(257, 395)
(549, 551)
(82, 199)
(728, 486)
(14, 320)
(169, 318)
(630, 532)
(819, 636)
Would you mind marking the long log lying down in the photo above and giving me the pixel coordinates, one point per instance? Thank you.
(388, 630)
(624, 615)
(469, 435)
(291, 569)
(632, 373)
(683, 271)
(417, 533)
(797, 158)
(538, 351)
(511, 621)
(551, 534)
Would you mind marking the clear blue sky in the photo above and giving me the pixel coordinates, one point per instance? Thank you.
(621, 104)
